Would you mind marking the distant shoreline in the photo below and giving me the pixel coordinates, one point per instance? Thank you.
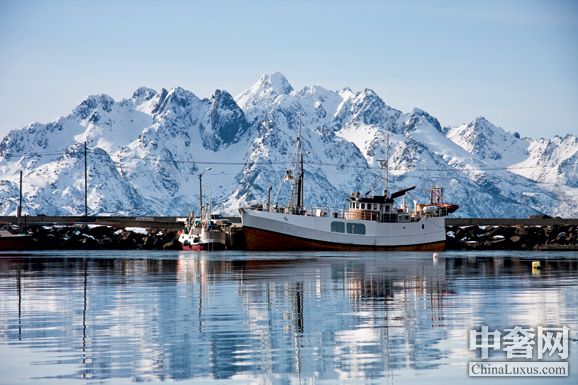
(171, 221)
(161, 233)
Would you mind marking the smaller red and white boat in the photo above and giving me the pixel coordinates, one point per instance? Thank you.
(208, 233)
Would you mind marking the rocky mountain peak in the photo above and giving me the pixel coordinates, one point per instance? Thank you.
(275, 83)
(90, 104)
(222, 99)
(420, 118)
(489, 142)
(266, 89)
(143, 94)
(483, 125)
(177, 99)
(365, 108)
(226, 122)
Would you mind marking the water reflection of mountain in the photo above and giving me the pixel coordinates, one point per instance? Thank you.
(225, 315)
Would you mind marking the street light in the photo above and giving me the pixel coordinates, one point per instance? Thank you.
(201, 188)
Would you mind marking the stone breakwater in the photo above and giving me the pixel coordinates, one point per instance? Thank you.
(84, 237)
(555, 237)
(475, 237)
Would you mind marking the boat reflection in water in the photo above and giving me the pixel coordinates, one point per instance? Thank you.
(303, 317)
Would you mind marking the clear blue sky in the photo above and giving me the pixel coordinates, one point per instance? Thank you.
(514, 62)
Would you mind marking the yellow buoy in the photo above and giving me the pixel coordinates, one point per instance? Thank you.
(536, 267)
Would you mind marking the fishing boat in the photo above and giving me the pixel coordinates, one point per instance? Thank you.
(206, 234)
(207, 231)
(369, 223)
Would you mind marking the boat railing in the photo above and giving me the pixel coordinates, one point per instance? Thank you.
(326, 212)
(312, 211)
(438, 212)
(432, 211)
(367, 215)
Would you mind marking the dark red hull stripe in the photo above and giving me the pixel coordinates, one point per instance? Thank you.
(264, 240)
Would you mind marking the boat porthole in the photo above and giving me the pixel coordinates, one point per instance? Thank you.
(422, 226)
(404, 227)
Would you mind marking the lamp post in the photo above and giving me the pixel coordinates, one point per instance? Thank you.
(201, 188)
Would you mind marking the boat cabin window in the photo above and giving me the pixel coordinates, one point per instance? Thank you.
(356, 228)
(363, 206)
(337, 227)
(387, 208)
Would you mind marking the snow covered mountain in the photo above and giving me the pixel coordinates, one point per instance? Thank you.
(145, 154)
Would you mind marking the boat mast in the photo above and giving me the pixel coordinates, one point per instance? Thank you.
(201, 190)
(386, 181)
(298, 184)
(296, 199)
(384, 164)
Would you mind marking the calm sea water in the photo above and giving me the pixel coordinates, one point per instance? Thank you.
(281, 318)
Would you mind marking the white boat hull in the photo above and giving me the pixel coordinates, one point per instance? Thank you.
(278, 231)
(205, 240)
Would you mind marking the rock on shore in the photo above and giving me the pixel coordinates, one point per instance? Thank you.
(510, 237)
(84, 237)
